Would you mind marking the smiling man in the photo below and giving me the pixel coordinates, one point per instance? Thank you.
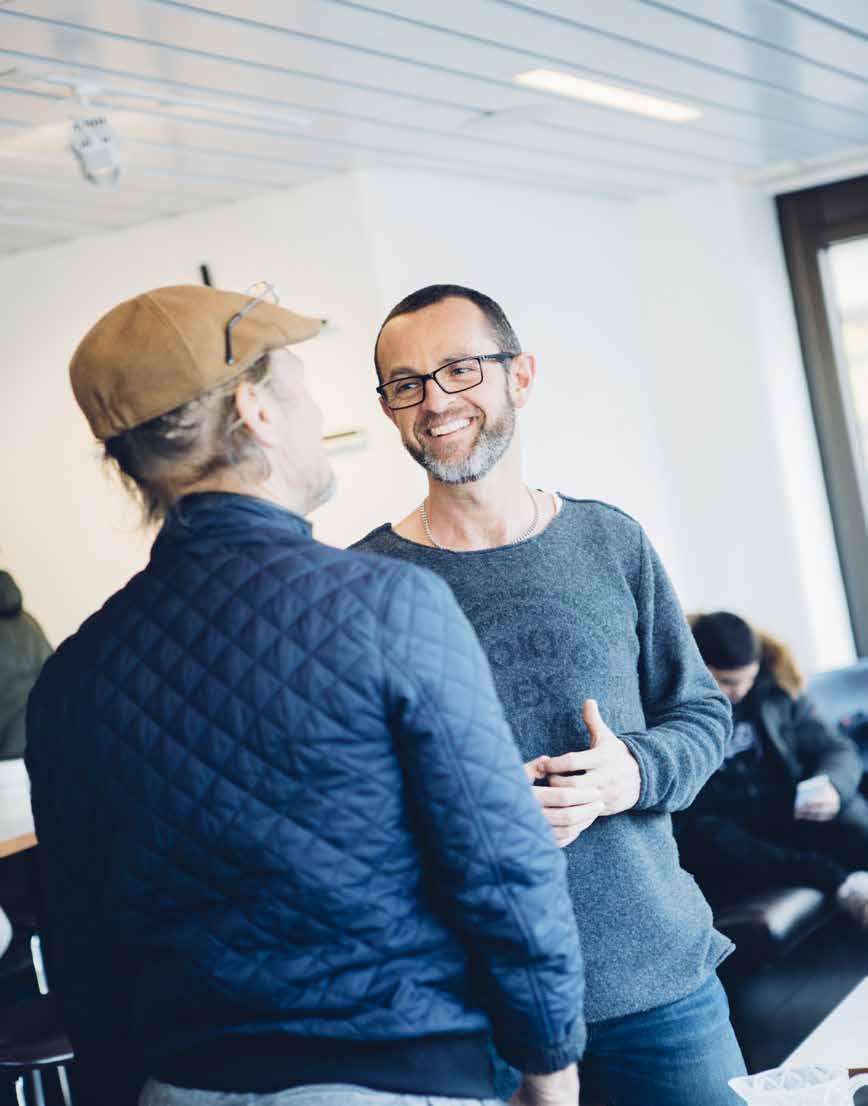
(599, 675)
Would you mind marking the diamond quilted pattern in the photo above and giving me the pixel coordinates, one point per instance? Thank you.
(274, 789)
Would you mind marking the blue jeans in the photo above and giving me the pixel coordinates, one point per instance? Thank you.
(323, 1094)
(680, 1054)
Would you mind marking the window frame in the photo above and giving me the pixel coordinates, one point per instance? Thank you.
(811, 220)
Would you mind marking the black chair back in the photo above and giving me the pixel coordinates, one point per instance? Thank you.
(841, 697)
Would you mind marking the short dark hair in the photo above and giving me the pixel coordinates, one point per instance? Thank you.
(158, 458)
(501, 329)
(725, 641)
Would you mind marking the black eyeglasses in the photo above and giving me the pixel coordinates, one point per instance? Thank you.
(260, 291)
(455, 376)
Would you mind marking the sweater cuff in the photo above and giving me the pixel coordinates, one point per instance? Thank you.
(543, 1060)
(646, 768)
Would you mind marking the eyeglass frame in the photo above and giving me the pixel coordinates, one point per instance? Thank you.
(502, 358)
(268, 290)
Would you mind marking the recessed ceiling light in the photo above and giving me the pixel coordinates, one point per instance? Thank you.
(608, 95)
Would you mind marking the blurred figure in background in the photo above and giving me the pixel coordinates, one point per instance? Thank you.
(23, 651)
(784, 808)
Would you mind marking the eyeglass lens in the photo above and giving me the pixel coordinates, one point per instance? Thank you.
(455, 377)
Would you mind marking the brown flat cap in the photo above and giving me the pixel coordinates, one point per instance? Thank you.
(163, 348)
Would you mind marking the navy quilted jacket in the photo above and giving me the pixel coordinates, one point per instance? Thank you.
(283, 826)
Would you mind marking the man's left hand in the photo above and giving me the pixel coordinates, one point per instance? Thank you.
(823, 805)
(608, 765)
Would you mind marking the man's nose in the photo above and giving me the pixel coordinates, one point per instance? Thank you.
(436, 400)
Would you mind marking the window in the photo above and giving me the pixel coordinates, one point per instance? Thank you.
(825, 232)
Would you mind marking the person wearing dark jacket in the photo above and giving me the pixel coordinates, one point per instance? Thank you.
(254, 773)
(784, 808)
(24, 649)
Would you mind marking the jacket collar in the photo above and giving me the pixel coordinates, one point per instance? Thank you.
(225, 515)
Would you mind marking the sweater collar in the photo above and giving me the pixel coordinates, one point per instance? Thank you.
(225, 515)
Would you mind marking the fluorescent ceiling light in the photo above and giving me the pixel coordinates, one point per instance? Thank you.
(608, 95)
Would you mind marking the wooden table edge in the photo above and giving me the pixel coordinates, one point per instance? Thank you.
(17, 844)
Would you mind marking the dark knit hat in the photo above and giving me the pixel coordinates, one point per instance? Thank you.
(725, 640)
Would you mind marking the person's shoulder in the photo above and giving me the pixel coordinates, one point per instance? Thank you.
(409, 599)
(597, 512)
(373, 559)
(381, 538)
(597, 508)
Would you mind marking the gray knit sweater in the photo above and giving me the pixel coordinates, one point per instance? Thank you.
(585, 610)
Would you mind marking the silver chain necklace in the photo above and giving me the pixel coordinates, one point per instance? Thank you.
(423, 513)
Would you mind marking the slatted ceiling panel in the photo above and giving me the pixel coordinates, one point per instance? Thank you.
(347, 146)
(695, 152)
(135, 204)
(31, 204)
(847, 15)
(327, 148)
(754, 39)
(577, 187)
(30, 236)
(790, 30)
(190, 191)
(276, 94)
(652, 45)
(442, 59)
(754, 144)
(262, 35)
(690, 60)
(783, 140)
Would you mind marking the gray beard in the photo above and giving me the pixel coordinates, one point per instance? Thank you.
(490, 446)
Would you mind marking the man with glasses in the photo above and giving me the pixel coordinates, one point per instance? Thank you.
(615, 714)
(232, 917)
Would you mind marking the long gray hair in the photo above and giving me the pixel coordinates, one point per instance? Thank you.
(157, 460)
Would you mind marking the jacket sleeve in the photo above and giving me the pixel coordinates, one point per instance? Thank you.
(500, 875)
(92, 993)
(821, 750)
(688, 720)
(30, 650)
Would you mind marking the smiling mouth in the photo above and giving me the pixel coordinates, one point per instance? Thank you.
(450, 427)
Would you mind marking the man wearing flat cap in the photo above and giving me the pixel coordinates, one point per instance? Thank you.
(232, 916)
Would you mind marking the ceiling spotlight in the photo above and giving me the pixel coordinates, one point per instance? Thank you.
(97, 148)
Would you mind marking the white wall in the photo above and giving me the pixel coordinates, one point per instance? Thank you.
(669, 381)
(734, 418)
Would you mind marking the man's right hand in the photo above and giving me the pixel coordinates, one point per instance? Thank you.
(568, 810)
(561, 1088)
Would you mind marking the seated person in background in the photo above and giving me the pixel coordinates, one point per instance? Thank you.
(23, 650)
(254, 773)
(784, 807)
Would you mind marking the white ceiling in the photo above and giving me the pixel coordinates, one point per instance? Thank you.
(219, 99)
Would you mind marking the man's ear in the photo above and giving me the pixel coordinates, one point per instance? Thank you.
(522, 373)
(255, 407)
(387, 411)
